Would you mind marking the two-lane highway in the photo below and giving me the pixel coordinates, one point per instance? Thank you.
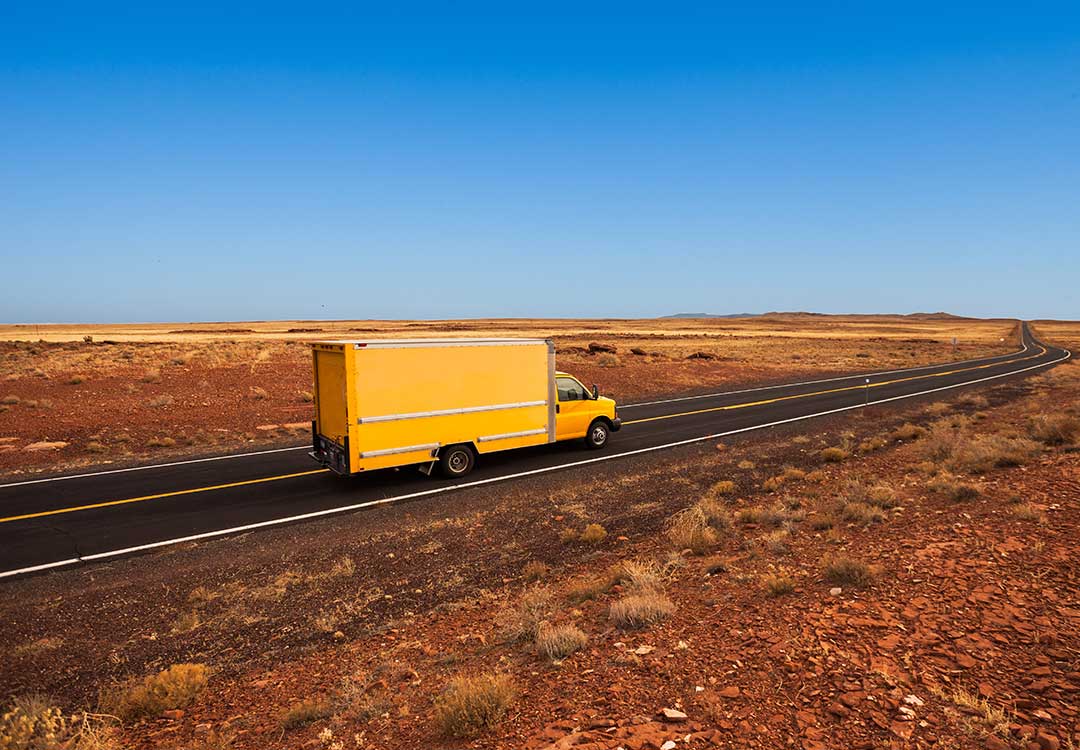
(61, 521)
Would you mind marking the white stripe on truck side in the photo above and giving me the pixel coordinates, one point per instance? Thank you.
(403, 449)
(508, 435)
(447, 412)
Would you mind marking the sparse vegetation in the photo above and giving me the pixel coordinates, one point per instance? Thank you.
(304, 712)
(521, 622)
(556, 642)
(953, 488)
(908, 432)
(159, 401)
(306, 396)
(689, 529)
(258, 393)
(779, 584)
(11, 400)
(594, 533)
(171, 688)
(721, 488)
(535, 570)
(472, 704)
(834, 455)
(1027, 512)
(841, 570)
(641, 610)
(1054, 429)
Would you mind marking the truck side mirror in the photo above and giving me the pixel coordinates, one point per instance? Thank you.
(595, 392)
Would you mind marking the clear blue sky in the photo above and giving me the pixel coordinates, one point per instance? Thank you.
(187, 161)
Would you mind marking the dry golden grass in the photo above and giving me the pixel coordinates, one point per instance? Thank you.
(472, 704)
(834, 455)
(522, 621)
(1054, 429)
(594, 533)
(778, 584)
(641, 610)
(689, 529)
(304, 712)
(535, 570)
(842, 570)
(171, 688)
(556, 642)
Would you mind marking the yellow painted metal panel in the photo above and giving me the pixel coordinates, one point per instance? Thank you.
(331, 397)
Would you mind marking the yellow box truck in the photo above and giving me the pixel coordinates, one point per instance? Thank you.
(429, 402)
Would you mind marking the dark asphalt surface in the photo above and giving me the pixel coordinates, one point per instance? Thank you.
(72, 536)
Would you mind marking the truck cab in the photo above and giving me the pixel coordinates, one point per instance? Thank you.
(581, 413)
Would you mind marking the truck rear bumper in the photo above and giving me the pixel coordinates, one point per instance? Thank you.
(329, 454)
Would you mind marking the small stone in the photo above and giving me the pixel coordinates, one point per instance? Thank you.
(669, 745)
(671, 714)
(835, 591)
(1047, 741)
(173, 713)
(993, 742)
(913, 700)
(338, 635)
(642, 650)
(731, 691)
(46, 446)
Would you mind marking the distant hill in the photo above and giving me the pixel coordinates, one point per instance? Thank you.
(709, 315)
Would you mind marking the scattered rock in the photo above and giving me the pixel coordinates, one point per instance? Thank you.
(638, 351)
(701, 355)
(835, 591)
(173, 713)
(46, 446)
(595, 348)
(672, 714)
(668, 745)
(731, 691)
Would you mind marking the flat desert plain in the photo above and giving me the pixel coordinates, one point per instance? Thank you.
(79, 395)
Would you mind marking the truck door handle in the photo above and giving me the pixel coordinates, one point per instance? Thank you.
(556, 408)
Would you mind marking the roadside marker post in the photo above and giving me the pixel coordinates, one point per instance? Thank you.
(867, 392)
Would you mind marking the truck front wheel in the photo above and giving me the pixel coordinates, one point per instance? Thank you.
(598, 434)
(456, 461)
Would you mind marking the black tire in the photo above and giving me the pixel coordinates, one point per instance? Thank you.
(598, 434)
(456, 461)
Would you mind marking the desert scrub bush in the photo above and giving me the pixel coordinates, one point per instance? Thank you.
(637, 575)
(721, 488)
(776, 541)
(746, 465)
(257, 393)
(833, 455)
(974, 400)
(535, 570)
(521, 622)
(689, 530)
(160, 442)
(471, 704)
(862, 513)
(594, 533)
(306, 396)
(151, 376)
(1054, 429)
(95, 447)
(32, 723)
(159, 401)
(986, 452)
(842, 570)
(11, 400)
(716, 515)
(908, 432)
(641, 610)
(302, 713)
(607, 360)
(76, 380)
(778, 584)
(556, 642)
(586, 589)
(1027, 512)
(175, 687)
(872, 444)
(568, 535)
(952, 488)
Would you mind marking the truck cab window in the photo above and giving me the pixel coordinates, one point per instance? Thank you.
(569, 389)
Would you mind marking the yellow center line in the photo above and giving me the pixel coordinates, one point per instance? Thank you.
(828, 391)
(160, 495)
(246, 482)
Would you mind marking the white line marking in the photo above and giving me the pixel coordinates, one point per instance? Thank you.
(623, 406)
(479, 482)
(152, 466)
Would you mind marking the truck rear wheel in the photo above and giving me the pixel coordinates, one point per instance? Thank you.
(598, 434)
(456, 461)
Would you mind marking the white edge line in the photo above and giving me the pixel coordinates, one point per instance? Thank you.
(479, 482)
(623, 406)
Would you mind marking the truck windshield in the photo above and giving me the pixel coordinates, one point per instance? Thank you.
(569, 389)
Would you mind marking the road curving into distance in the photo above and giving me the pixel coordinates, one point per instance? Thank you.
(62, 521)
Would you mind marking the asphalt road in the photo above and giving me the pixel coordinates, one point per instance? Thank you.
(62, 521)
